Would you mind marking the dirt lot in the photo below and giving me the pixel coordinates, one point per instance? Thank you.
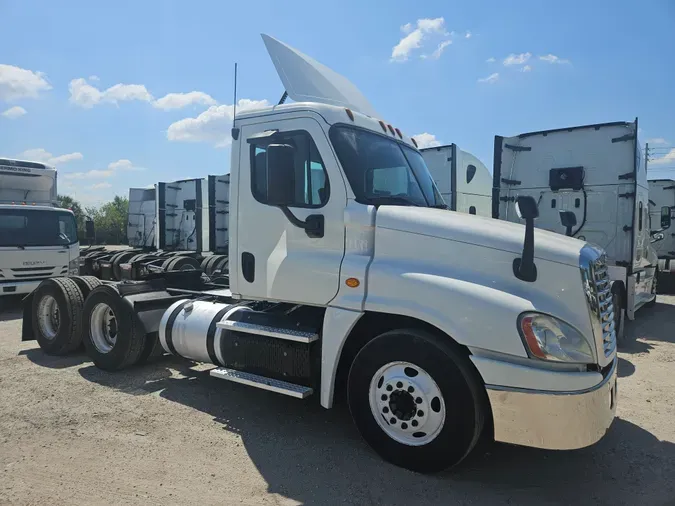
(168, 434)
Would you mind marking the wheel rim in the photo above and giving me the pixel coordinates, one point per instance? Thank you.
(48, 317)
(407, 403)
(103, 328)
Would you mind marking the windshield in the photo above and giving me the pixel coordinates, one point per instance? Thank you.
(383, 171)
(36, 227)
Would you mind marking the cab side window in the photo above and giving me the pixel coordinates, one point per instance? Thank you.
(312, 188)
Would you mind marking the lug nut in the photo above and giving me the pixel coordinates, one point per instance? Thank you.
(414, 423)
(418, 400)
(399, 385)
(420, 413)
(384, 397)
(411, 389)
(385, 410)
(389, 388)
(392, 420)
(404, 425)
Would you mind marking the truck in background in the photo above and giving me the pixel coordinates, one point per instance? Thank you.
(463, 180)
(142, 221)
(662, 209)
(348, 276)
(590, 182)
(38, 240)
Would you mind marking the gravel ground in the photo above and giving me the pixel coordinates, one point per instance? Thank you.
(170, 434)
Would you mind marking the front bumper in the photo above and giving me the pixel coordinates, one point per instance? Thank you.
(18, 287)
(554, 420)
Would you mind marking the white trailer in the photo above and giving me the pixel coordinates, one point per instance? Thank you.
(463, 180)
(662, 209)
(347, 276)
(37, 239)
(590, 182)
(142, 220)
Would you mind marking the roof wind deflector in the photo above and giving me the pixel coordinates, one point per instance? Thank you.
(260, 137)
(307, 80)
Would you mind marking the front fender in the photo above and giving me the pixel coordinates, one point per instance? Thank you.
(472, 314)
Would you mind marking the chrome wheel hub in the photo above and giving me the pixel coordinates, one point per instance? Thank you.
(48, 317)
(103, 328)
(407, 403)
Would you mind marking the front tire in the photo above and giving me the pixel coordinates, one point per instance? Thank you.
(416, 400)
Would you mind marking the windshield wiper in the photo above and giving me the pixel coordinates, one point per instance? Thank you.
(392, 199)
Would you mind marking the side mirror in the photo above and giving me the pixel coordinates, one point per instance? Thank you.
(527, 208)
(280, 167)
(665, 217)
(569, 221)
(89, 230)
(524, 267)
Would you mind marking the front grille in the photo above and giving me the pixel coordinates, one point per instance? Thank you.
(605, 311)
(32, 273)
(598, 288)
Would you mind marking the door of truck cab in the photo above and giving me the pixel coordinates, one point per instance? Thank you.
(272, 258)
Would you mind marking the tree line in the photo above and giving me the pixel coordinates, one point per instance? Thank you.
(110, 219)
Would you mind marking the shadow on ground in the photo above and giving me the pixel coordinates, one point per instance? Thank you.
(655, 323)
(316, 456)
(10, 308)
(39, 357)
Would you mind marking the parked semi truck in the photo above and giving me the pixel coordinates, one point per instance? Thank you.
(37, 239)
(590, 182)
(440, 327)
(463, 180)
(662, 200)
(142, 218)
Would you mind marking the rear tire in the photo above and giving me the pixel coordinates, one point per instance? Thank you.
(416, 400)
(118, 260)
(86, 284)
(113, 335)
(182, 263)
(57, 316)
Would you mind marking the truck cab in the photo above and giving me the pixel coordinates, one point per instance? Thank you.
(590, 183)
(37, 239)
(662, 208)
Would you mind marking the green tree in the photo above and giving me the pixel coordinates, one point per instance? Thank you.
(111, 221)
(68, 202)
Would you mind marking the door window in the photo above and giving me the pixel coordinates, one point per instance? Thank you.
(311, 181)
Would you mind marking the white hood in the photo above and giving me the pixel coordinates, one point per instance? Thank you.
(485, 232)
(307, 80)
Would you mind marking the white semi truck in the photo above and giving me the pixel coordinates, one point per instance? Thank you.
(590, 182)
(440, 327)
(463, 180)
(37, 239)
(142, 218)
(662, 209)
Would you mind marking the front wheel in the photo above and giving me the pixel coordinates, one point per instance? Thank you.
(417, 400)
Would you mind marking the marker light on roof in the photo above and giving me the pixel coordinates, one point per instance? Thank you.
(398, 132)
(391, 129)
(413, 141)
(350, 114)
(384, 127)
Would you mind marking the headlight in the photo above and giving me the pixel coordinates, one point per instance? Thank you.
(74, 267)
(548, 338)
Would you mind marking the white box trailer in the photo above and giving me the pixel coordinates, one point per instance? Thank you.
(593, 175)
(463, 180)
(662, 200)
(142, 222)
(346, 276)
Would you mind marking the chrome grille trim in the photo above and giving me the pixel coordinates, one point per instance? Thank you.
(598, 290)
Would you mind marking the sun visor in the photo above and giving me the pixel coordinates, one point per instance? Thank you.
(306, 80)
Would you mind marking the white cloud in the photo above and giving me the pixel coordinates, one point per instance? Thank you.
(213, 125)
(85, 95)
(14, 112)
(44, 156)
(491, 60)
(658, 140)
(526, 68)
(180, 100)
(492, 78)
(551, 58)
(413, 39)
(123, 164)
(467, 35)
(517, 59)
(94, 78)
(439, 50)
(100, 186)
(426, 140)
(90, 174)
(668, 158)
(16, 83)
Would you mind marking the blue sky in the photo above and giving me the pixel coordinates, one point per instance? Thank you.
(104, 92)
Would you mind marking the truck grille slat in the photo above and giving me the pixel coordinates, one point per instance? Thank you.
(599, 298)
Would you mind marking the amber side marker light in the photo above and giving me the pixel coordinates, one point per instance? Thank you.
(352, 282)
